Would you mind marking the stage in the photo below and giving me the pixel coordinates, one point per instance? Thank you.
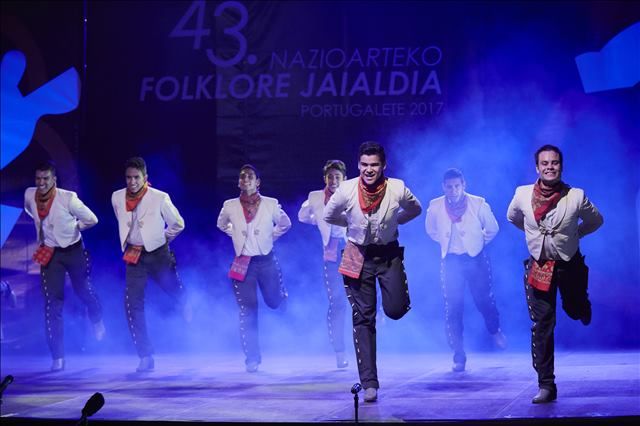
(593, 387)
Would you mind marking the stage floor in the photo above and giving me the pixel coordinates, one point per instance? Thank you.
(299, 388)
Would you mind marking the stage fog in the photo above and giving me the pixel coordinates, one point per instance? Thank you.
(477, 86)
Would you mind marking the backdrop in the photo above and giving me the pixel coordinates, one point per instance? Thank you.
(199, 88)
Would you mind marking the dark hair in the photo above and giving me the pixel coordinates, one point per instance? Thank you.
(334, 165)
(136, 163)
(548, 148)
(46, 166)
(372, 148)
(250, 167)
(453, 173)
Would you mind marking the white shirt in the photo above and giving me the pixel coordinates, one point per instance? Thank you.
(135, 235)
(269, 224)
(477, 227)
(549, 251)
(311, 212)
(67, 217)
(157, 219)
(398, 206)
(373, 224)
(573, 217)
(456, 245)
(251, 246)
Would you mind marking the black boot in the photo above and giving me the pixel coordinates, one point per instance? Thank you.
(146, 364)
(545, 395)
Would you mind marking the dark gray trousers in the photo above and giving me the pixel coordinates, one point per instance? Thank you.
(384, 263)
(159, 265)
(455, 272)
(571, 279)
(337, 305)
(75, 261)
(264, 272)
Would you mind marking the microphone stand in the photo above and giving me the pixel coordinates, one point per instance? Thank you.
(92, 406)
(355, 389)
(5, 383)
(355, 405)
(84, 421)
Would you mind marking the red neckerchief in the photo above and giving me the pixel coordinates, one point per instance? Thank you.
(250, 204)
(370, 199)
(456, 210)
(327, 195)
(44, 201)
(544, 199)
(134, 199)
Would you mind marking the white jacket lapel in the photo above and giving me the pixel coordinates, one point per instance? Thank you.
(386, 201)
(561, 211)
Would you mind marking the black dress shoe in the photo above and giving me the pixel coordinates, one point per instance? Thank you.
(586, 317)
(500, 340)
(545, 395)
(146, 364)
(252, 367)
(370, 395)
(458, 367)
(57, 364)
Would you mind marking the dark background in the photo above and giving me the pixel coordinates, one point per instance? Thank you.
(509, 84)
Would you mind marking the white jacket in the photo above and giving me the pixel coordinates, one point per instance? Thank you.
(311, 212)
(398, 206)
(271, 222)
(477, 227)
(158, 219)
(566, 229)
(67, 217)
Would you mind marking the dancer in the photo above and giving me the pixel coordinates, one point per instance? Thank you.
(463, 224)
(554, 216)
(372, 206)
(333, 240)
(254, 222)
(60, 217)
(147, 222)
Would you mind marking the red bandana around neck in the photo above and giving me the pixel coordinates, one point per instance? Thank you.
(250, 204)
(327, 195)
(134, 199)
(370, 199)
(456, 209)
(45, 201)
(544, 199)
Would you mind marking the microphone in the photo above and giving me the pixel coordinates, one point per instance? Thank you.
(94, 404)
(357, 387)
(6, 382)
